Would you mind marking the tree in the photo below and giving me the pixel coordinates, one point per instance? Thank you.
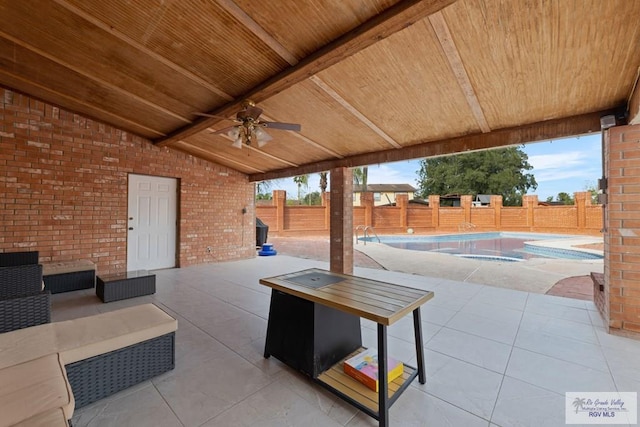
(360, 176)
(565, 198)
(500, 171)
(562, 197)
(593, 190)
(323, 182)
(301, 180)
(263, 189)
(313, 198)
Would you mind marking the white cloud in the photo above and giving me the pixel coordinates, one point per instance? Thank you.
(393, 173)
(563, 175)
(559, 161)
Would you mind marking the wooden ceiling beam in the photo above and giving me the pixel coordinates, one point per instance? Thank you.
(541, 131)
(353, 110)
(257, 30)
(443, 33)
(399, 16)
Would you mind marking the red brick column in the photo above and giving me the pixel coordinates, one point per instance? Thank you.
(434, 204)
(341, 226)
(530, 201)
(622, 234)
(580, 199)
(402, 201)
(496, 204)
(366, 201)
(465, 203)
(280, 200)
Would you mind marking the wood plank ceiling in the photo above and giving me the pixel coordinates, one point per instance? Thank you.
(369, 81)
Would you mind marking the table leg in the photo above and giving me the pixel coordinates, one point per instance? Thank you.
(417, 328)
(266, 340)
(383, 385)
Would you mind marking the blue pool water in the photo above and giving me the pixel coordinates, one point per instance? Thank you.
(488, 246)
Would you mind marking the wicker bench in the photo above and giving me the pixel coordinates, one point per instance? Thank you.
(100, 355)
(23, 303)
(11, 259)
(69, 276)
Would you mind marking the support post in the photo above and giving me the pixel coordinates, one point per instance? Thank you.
(341, 224)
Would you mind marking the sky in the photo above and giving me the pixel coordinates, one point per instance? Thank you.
(561, 165)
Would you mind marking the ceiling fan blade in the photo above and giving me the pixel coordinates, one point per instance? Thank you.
(284, 126)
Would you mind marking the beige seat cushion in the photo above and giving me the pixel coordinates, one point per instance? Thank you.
(86, 337)
(32, 388)
(67, 267)
(52, 418)
(23, 345)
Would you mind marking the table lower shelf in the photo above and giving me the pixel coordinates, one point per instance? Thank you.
(354, 392)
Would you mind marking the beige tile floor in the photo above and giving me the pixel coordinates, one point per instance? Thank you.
(494, 357)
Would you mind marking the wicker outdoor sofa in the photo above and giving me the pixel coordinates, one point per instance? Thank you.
(23, 302)
(51, 369)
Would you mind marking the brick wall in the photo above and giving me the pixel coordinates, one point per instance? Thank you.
(621, 299)
(64, 190)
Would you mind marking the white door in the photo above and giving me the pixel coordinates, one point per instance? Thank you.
(151, 235)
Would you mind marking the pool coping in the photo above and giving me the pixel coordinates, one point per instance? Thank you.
(561, 243)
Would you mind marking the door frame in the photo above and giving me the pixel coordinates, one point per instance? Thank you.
(177, 215)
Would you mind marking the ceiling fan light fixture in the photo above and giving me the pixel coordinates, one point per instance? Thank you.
(237, 143)
(233, 133)
(262, 137)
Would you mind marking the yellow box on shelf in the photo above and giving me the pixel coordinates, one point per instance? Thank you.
(364, 367)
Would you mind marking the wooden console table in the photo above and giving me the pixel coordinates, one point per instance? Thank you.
(320, 313)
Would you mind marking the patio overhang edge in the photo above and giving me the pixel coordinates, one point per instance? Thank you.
(545, 130)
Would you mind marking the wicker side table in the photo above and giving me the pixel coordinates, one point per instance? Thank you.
(130, 284)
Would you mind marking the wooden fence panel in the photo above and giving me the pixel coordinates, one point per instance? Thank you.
(513, 217)
(386, 217)
(298, 218)
(268, 215)
(451, 218)
(565, 217)
(594, 218)
(483, 217)
(389, 219)
(419, 217)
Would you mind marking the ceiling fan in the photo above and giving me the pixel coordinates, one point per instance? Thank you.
(250, 127)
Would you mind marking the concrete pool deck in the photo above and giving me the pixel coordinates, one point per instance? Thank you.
(538, 275)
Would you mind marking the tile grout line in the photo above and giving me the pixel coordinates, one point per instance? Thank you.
(513, 344)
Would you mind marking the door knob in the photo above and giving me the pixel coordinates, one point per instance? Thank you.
(130, 228)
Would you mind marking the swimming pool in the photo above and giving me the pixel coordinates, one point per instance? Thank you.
(488, 246)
